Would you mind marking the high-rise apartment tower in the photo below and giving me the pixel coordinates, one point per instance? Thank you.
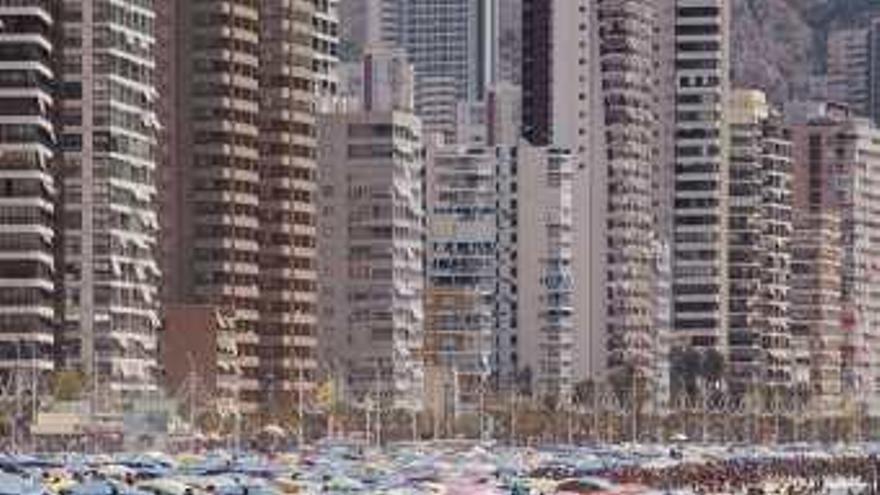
(28, 191)
(701, 58)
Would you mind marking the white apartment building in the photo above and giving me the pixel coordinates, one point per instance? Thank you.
(452, 46)
(462, 268)
(586, 63)
(108, 160)
(28, 193)
(560, 104)
(325, 45)
(371, 239)
(536, 343)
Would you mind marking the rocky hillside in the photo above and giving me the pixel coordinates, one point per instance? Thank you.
(778, 44)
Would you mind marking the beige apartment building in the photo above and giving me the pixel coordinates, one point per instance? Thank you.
(816, 333)
(837, 172)
(627, 77)
(759, 245)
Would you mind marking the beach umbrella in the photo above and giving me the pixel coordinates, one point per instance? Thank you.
(11, 484)
(473, 487)
(101, 487)
(58, 479)
(100, 459)
(585, 485)
(274, 430)
(288, 485)
(116, 471)
(542, 485)
(187, 460)
(166, 486)
(344, 483)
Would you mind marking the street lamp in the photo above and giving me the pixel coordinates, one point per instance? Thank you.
(300, 406)
(569, 433)
(635, 406)
(512, 432)
(17, 378)
(192, 398)
(484, 370)
(377, 377)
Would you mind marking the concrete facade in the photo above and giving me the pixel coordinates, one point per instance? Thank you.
(199, 356)
(848, 56)
(837, 166)
(759, 250)
(452, 45)
(537, 280)
(627, 81)
(701, 62)
(583, 64)
(816, 277)
(297, 64)
(372, 244)
(211, 181)
(240, 184)
(108, 144)
(462, 265)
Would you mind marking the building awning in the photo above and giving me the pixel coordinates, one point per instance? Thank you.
(58, 424)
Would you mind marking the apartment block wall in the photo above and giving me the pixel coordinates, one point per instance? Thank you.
(29, 193)
(372, 244)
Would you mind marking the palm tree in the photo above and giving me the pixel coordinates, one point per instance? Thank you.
(68, 385)
(5, 423)
(687, 367)
(712, 369)
(712, 365)
(630, 386)
(697, 377)
(210, 422)
(586, 397)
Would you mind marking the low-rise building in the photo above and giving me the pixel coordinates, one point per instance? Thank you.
(199, 357)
